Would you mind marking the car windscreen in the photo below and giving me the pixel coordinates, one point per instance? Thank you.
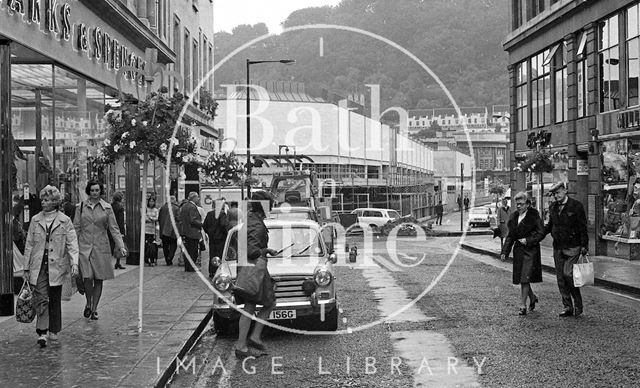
(288, 241)
(295, 242)
(393, 214)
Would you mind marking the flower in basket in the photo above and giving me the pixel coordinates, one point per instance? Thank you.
(538, 162)
(222, 167)
(137, 128)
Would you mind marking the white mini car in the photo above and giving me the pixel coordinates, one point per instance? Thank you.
(303, 273)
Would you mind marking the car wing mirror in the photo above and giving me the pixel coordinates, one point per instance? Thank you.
(333, 258)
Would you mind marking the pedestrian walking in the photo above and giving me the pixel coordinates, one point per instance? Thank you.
(459, 202)
(191, 222)
(93, 221)
(466, 203)
(203, 244)
(19, 236)
(504, 212)
(167, 232)
(215, 225)
(233, 215)
(257, 247)
(151, 221)
(439, 212)
(568, 227)
(67, 206)
(118, 212)
(51, 256)
(526, 230)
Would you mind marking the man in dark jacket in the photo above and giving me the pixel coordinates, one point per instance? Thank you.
(568, 227)
(191, 223)
(439, 212)
(167, 233)
(215, 226)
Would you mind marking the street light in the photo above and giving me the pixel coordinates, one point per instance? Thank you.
(248, 108)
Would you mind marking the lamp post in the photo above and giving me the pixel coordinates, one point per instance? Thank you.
(248, 109)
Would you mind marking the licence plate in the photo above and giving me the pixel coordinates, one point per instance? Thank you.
(283, 314)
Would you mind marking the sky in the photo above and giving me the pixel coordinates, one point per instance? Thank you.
(230, 13)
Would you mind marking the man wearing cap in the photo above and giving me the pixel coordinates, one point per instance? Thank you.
(191, 222)
(504, 212)
(568, 227)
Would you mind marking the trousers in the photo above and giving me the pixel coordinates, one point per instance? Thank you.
(564, 259)
(48, 301)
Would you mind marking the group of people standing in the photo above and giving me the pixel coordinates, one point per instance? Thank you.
(524, 230)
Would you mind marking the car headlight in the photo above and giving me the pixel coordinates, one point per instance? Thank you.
(222, 282)
(323, 277)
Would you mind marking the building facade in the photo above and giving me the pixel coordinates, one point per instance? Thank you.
(574, 71)
(364, 161)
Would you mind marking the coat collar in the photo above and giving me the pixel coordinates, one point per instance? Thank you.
(39, 218)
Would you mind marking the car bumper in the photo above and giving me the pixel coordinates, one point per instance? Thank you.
(303, 308)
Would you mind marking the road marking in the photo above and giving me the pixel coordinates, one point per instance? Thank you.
(386, 263)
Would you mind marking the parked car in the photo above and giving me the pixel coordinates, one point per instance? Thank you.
(293, 213)
(375, 218)
(481, 216)
(303, 272)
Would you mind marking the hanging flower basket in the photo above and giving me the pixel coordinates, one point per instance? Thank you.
(538, 162)
(222, 168)
(146, 127)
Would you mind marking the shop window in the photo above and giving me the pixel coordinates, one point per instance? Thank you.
(522, 96)
(633, 61)
(609, 60)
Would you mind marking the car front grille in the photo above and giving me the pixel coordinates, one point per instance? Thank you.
(289, 288)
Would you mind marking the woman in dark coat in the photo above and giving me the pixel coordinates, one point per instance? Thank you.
(118, 211)
(526, 230)
(257, 248)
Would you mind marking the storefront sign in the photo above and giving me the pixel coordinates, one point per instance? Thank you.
(582, 167)
(92, 40)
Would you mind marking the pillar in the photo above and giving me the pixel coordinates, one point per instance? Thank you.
(593, 206)
(6, 159)
(513, 127)
(572, 115)
(133, 197)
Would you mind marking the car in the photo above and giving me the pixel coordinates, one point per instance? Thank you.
(293, 213)
(480, 216)
(303, 273)
(375, 218)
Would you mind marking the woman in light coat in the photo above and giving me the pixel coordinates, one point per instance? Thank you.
(51, 255)
(92, 220)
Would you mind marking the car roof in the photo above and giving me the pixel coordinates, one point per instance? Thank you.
(292, 209)
(273, 223)
(374, 208)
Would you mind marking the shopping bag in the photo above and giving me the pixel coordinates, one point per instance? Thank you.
(583, 272)
(68, 288)
(79, 281)
(25, 309)
(254, 284)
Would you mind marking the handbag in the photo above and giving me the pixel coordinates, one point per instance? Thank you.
(254, 283)
(583, 274)
(25, 309)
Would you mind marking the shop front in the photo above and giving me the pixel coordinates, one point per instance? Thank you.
(59, 65)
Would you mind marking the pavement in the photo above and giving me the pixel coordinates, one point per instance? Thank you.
(611, 272)
(110, 352)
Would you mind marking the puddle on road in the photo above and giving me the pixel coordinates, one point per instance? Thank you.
(429, 354)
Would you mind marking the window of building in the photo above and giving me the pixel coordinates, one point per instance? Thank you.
(196, 65)
(186, 71)
(560, 66)
(540, 90)
(177, 40)
(516, 7)
(633, 49)
(534, 7)
(581, 70)
(608, 53)
(522, 97)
